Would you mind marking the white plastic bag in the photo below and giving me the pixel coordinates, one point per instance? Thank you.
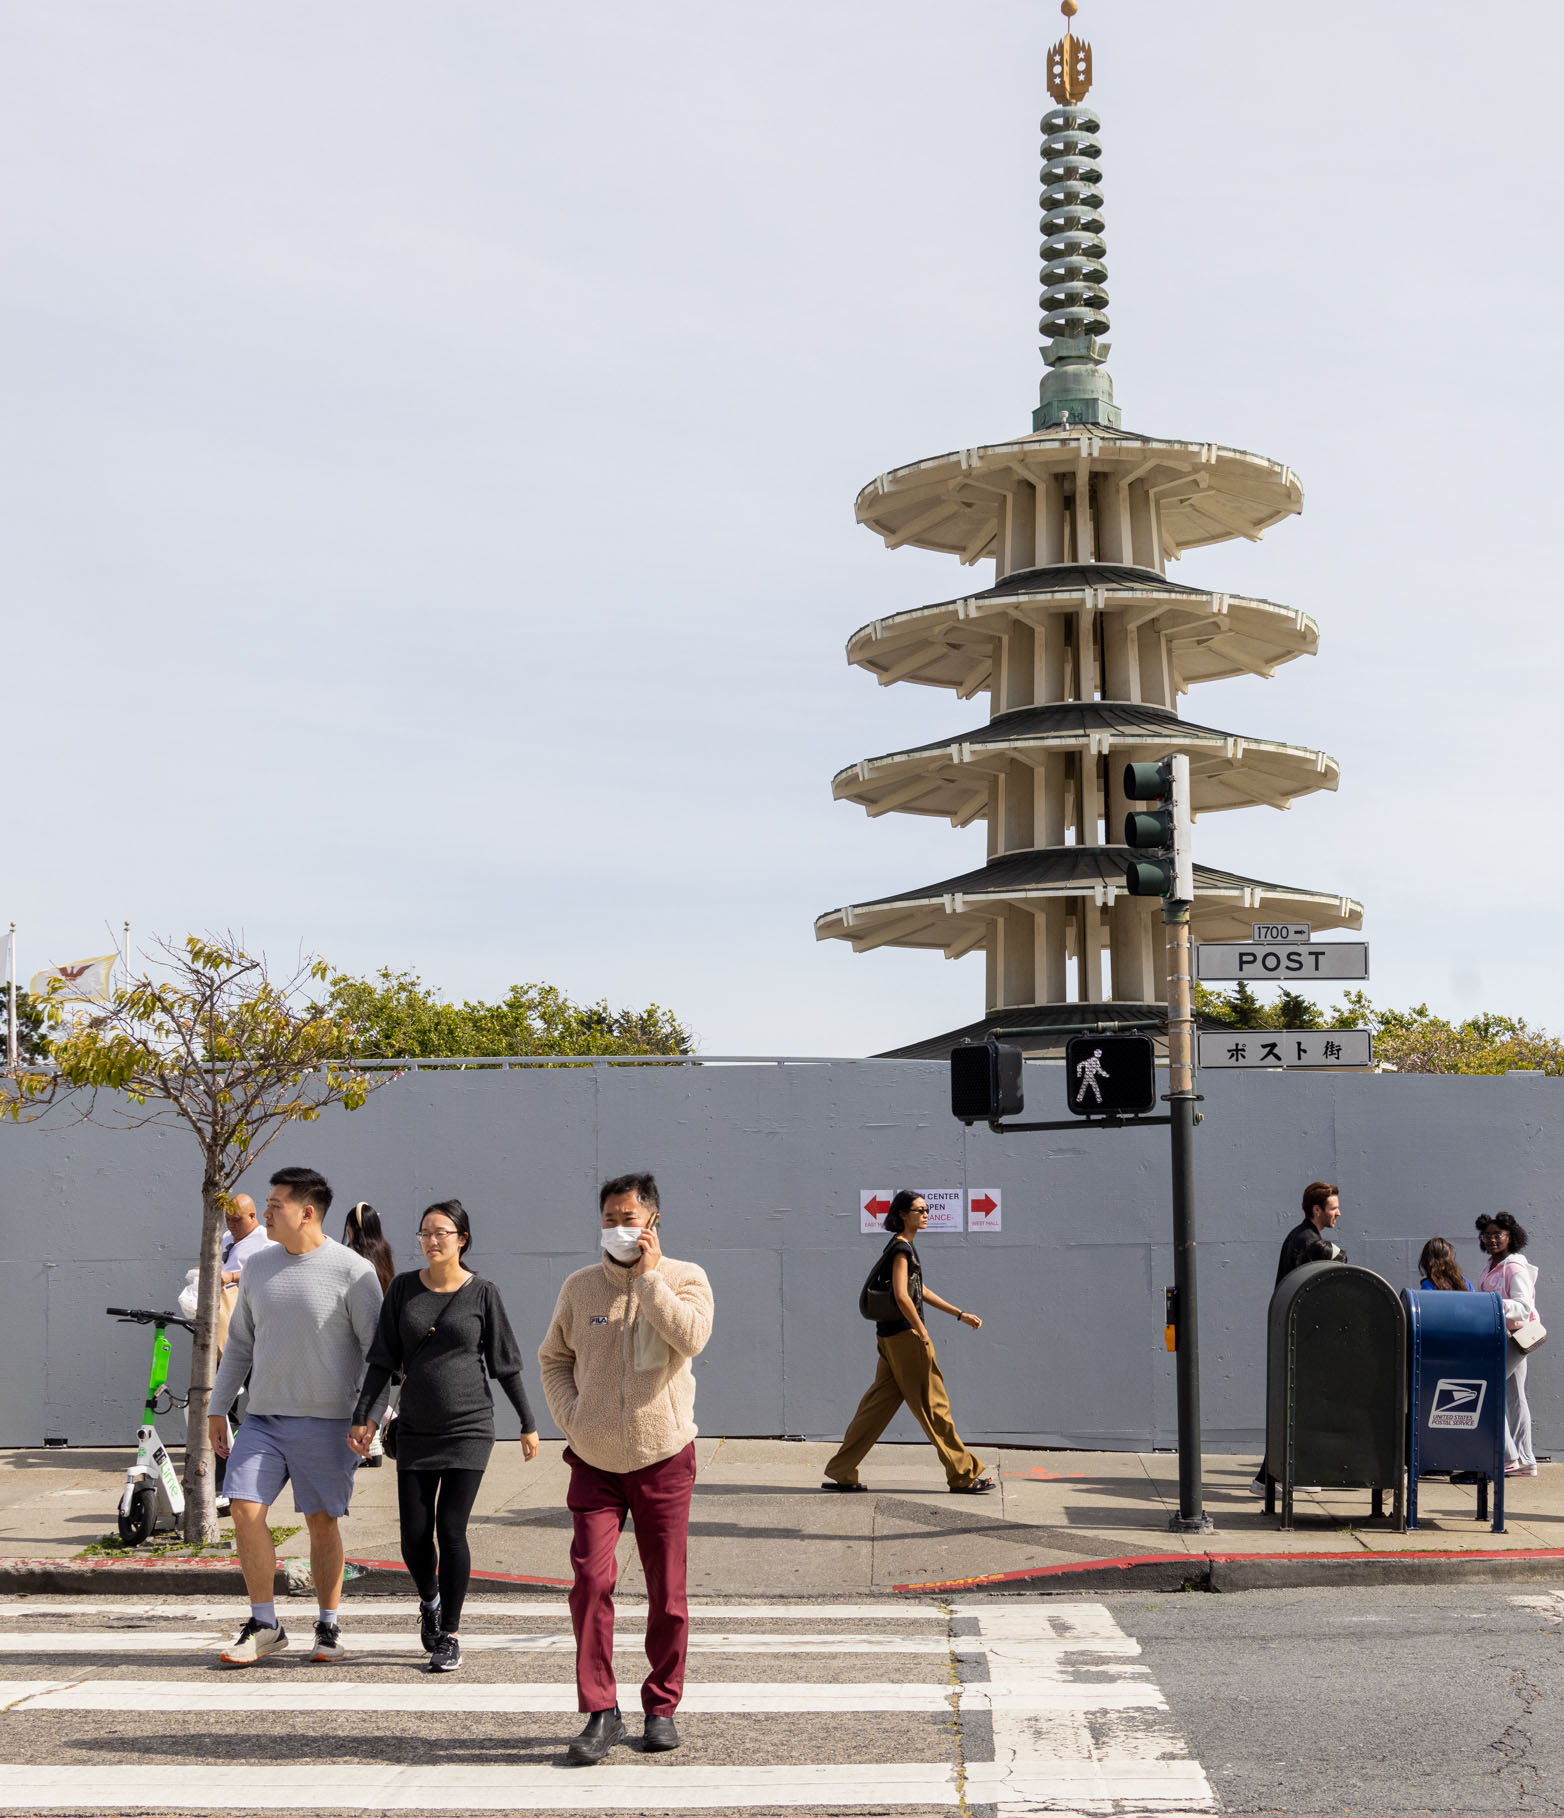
(189, 1297)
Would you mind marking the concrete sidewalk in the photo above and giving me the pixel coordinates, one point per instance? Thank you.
(761, 1525)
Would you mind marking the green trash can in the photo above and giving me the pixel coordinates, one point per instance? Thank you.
(1336, 1387)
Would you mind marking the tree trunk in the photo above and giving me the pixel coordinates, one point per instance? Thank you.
(200, 1483)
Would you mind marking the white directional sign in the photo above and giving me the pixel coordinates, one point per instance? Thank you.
(1284, 964)
(1286, 1048)
(1285, 932)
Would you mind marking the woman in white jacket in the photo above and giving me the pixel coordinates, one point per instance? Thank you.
(1509, 1274)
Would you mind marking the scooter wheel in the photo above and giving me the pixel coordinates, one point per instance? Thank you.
(137, 1525)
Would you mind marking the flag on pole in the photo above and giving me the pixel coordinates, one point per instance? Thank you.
(78, 981)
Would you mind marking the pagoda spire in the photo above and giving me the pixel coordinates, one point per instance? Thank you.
(1076, 388)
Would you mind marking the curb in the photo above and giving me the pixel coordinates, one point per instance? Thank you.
(1265, 1571)
(219, 1577)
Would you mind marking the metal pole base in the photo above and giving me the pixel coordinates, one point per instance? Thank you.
(1191, 1524)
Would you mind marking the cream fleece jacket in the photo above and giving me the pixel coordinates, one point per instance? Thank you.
(617, 1417)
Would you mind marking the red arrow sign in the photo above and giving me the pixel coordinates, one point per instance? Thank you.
(877, 1208)
(984, 1206)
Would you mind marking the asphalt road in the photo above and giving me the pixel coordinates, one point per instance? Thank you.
(1401, 1700)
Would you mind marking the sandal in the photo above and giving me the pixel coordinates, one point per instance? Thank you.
(847, 1489)
(980, 1488)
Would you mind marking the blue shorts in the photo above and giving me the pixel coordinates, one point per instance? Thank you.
(271, 1449)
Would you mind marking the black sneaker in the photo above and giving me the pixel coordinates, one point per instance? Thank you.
(328, 1642)
(447, 1654)
(429, 1624)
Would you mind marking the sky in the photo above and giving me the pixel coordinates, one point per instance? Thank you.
(430, 439)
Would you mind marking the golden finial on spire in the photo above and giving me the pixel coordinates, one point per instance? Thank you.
(1069, 62)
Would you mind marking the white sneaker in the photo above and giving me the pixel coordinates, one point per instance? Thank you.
(1256, 1487)
(254, 1642)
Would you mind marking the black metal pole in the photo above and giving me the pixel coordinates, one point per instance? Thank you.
(1191, 1517)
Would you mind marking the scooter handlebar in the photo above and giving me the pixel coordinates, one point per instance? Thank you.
(142, 1316)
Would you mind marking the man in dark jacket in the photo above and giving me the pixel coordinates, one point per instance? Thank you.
(1321, 1209)
(1305, 1243)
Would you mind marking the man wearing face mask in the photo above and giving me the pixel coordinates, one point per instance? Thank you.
(616, 1373)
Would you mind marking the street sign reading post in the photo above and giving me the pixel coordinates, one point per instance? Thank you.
(1286, 1048)
(1262, 960)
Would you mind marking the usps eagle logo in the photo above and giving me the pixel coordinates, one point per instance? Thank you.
(1458, 1402)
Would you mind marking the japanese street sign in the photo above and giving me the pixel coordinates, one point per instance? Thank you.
(1284, 964)
(1285, 932)
(983, 1209)
(1286, 1048)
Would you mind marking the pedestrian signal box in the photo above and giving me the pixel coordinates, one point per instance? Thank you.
(1111, 1075)
(985, 1081)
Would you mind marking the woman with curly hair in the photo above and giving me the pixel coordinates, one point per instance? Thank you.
(1510, 1275)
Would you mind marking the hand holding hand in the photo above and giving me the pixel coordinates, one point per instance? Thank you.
(360, 1438)
(529, 1446)
(651, 1251)
(217, 1430)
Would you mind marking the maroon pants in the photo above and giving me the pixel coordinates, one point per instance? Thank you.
(657, 1498)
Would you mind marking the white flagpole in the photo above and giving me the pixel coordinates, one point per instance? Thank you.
(10, 1029)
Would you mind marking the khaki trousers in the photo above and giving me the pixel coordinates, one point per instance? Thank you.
(909, 1372)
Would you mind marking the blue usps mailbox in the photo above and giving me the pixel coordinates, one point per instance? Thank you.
(1456, 1351)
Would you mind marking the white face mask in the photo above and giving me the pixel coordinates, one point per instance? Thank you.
(622, 1242)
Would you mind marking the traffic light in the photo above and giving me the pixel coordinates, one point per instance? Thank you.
(985, 1081)
(1110, 1075)
(1164, 829)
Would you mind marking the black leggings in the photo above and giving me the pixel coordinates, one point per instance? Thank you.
(434, 1506)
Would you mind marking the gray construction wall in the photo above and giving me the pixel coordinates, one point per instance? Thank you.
(760, 1167)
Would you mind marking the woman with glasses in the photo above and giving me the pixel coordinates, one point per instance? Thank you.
(444, 1328)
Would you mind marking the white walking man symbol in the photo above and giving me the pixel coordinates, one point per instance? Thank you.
(1088, 1072)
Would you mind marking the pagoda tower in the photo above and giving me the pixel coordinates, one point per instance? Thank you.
(1083, 647)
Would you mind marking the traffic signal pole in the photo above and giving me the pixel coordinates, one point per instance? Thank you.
(1191, 1517)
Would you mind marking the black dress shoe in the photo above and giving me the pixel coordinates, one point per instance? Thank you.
(603, 1730)
(659, 1736)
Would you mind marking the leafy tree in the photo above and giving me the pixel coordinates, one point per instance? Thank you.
(394, 1015)
(32, 1021)
(1418, 1041)
(210, 1043)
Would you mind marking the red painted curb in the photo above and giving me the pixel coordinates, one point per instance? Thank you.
(226, 1563)
(396, 1565)
(1082, 1567)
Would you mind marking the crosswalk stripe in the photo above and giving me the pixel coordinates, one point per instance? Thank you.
(405, 1641)
(1077, 1722)
(277, 1692)
(1061, 1757)
(513, 1608)
(366, 1786)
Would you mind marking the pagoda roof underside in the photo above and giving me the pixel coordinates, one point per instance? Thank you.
(1205, 493)
(957, 912)
(950, 778)
(1210, 636)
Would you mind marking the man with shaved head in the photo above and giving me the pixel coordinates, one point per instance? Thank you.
(244, 1237)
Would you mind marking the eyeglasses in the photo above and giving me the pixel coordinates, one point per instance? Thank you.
(437, 1236)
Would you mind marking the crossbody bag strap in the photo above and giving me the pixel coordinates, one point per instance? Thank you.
(407, 1362)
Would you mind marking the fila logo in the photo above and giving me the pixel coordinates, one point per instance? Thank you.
(1458, 1401)
(598, 1319)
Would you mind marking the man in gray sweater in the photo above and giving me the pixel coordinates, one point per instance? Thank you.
(306, 1314)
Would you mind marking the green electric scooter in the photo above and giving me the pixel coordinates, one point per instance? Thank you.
(152, 1497)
